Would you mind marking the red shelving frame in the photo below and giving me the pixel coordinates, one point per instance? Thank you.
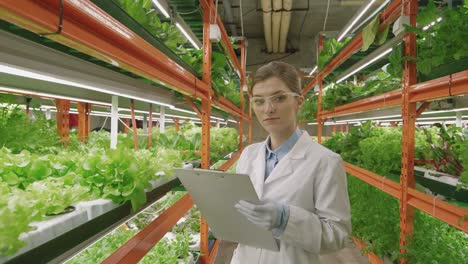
(90, 30)
(410, 94)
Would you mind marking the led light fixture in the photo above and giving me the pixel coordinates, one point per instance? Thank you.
(187, 32)
(183, 110)
(14, 70)
(438, 20)
(163, 7)
(361, 12)
(52, 96)
(376, 58)
(377, 10)
(313, 70)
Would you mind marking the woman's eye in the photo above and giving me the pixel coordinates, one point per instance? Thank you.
(259, 101)
(280, 98)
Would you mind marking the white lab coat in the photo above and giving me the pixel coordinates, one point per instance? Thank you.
(310, 179)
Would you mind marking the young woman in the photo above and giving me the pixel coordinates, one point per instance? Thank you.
(302, 185)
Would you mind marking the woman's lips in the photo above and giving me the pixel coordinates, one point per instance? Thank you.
(270, 119)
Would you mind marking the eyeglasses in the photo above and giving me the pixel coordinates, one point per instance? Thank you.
(272, 100)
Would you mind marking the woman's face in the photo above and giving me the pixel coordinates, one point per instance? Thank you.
(275, 106)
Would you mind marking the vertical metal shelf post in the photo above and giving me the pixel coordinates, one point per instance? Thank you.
(408, 110)
(205, 118)
(319, 104)
(63, 119)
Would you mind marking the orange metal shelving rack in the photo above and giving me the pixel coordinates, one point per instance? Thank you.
(410, 94)
(90, 30)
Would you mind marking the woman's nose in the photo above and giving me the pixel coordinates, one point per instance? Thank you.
(269, 107)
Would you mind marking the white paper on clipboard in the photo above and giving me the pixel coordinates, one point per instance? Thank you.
(215, 193)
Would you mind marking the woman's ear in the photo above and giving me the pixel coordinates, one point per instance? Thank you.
(300, 101)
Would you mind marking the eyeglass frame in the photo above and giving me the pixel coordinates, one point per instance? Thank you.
(267, 99)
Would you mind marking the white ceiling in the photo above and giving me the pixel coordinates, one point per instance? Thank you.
(307, 19)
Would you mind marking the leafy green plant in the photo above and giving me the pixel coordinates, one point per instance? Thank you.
(18, 132)
(377, 222)
(434, 241)
(447, 150)
(308, 111)
(381, 151)
(225, 81)
(464, 160)
(378, 82)
(375, 218)
(18, 208)
(369, 33)
(442, 38)
(331, 47)
(165, 251)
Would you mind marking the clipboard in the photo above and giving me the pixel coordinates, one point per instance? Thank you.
(215, 193)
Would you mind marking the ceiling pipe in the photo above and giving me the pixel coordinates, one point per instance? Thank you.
(267, 10)
(285, 21)
(229, 18)
(276, 24)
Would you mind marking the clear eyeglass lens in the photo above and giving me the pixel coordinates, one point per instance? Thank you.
(274, 99)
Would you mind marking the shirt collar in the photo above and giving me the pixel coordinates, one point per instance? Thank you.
(282, 150)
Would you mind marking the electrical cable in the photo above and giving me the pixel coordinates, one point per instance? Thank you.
(216, 13)
(241, 17)
(326, 16)
(302, 24)
(104, 123)
(189, 13)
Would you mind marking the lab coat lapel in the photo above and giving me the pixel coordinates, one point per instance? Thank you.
(258, 173)
(286, 165)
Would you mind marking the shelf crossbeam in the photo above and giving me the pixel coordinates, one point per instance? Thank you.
(449, 213)
(387, 99)
(90, 30)
(228, 164)
(373, 259)
(381, 183)
(451, 85)
(137, 247)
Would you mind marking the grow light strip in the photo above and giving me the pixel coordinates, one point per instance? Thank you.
(355, 20)
(50, 96)
(384, 118)
(14, 70)
(366, 64)
(438, 20)
(182, 29)
(161, 8)
(313, 70)
(372, 15)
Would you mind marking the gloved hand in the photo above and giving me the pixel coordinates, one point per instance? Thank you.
(267, 215)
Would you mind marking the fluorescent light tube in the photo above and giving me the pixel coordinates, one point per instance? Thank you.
(365, 65)
(372, 15)
(183, 110)
(5, 68)
(52, 96)
(186, 34)
(313, 70)
(356, 19)
(432, 23)
(161, 8)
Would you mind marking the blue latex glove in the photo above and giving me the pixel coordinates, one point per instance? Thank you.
(267, 215)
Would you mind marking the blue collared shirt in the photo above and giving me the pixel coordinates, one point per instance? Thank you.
(271, 160)
(273, 157)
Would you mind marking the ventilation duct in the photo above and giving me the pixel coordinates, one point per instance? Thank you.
(276, 21)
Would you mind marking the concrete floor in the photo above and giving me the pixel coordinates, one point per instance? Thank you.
(349, 255)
